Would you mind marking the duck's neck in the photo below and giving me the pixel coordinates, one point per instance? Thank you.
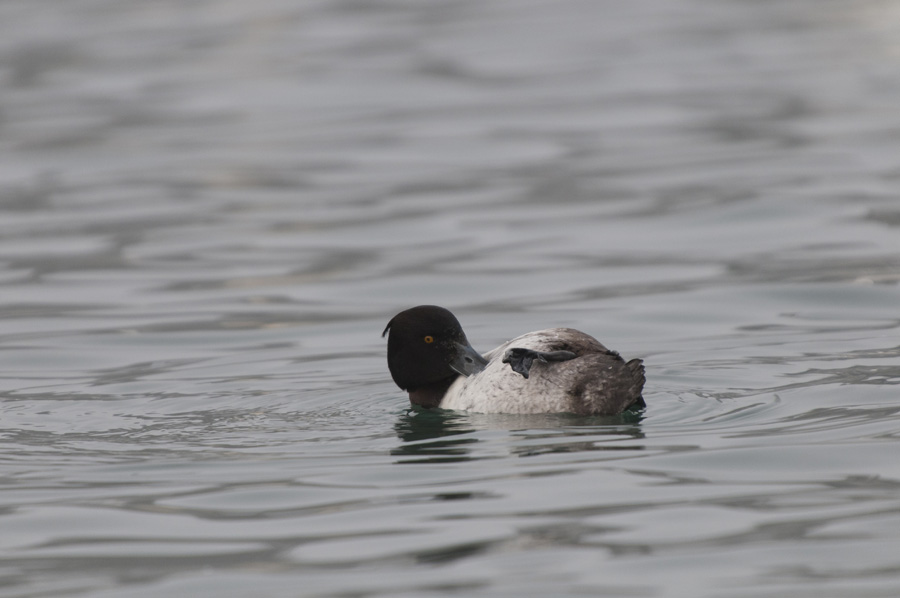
(430, 396)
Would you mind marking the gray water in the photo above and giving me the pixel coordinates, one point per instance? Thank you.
(209, 210)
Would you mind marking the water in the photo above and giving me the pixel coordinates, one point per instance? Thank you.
(210, 210)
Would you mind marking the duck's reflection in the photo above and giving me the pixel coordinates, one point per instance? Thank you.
(435, 435)
(417, 427)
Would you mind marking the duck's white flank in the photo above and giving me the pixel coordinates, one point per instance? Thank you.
(498, 389)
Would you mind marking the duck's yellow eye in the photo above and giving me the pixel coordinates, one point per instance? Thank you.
(429, 339)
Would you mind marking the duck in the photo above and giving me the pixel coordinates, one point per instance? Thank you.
(556, 370)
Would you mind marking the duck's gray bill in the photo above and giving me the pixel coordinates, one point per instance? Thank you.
(468, 361)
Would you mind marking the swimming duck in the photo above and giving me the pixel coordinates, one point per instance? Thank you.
(558, 370)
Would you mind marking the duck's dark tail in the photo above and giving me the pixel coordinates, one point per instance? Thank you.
(636, 367)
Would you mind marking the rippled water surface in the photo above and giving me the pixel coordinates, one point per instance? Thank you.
(209, 210)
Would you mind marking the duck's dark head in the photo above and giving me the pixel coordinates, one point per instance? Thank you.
(427, 350)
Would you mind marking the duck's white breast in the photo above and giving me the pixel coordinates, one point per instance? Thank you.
(498, 389)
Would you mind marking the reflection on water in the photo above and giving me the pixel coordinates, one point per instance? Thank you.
(427, 424)
(432, 434)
